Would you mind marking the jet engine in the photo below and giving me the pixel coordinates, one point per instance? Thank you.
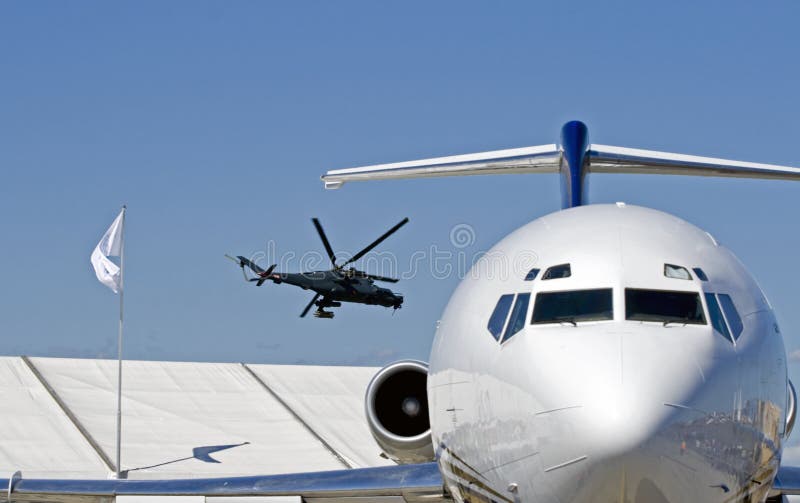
(397, 411)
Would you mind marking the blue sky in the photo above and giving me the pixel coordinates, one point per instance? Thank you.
(214, 120)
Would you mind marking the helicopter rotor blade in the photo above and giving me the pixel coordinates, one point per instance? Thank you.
(325, 242)
(308, 307)
(376, 242)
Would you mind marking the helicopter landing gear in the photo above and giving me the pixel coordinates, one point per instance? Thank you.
(321, 313)
(322, 304)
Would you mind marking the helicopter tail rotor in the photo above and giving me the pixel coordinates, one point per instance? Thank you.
(263, 274)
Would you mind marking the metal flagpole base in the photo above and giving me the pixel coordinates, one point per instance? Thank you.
(12, 481)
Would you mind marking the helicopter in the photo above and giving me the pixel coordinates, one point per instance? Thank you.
(334, 286)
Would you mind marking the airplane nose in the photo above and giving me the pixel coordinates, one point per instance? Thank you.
(618, 428)
(623, 439)
(619, 449)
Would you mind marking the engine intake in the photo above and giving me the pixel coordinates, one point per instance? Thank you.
(397, 411)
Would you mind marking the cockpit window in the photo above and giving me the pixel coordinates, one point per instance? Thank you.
(558, 271)
(517, 320)
(498, 319)
(664, 306)
(731, 314)
(531, 275)
(676, 272)
(717, 321)
(573, 306)
(700, 274)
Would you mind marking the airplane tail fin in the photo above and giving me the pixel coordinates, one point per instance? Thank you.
(573, 158)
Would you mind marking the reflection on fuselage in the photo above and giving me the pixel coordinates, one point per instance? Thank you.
(646, 402)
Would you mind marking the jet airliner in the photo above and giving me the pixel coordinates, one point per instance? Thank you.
(636, 360)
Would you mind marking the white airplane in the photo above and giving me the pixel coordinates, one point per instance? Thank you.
(636, 361)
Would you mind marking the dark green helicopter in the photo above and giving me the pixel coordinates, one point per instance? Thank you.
(335, 285)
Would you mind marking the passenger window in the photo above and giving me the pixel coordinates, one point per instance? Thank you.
(716, 316)
(558, 271)
(701, 274)
(498, 319)
(676, 272)
(531, 275)
(732, 315)
(517, 320)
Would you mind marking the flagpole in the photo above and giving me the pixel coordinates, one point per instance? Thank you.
(119, 343)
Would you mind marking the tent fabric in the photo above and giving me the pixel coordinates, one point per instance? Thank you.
(182, 419)
(36, 437)
(331, 401)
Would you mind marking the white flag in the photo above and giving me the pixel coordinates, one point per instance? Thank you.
(109, 246)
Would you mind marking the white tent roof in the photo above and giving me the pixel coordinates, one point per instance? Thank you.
(181, 419)
(35, 435)
(331, 399)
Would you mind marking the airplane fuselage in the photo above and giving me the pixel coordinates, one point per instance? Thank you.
(653, 370)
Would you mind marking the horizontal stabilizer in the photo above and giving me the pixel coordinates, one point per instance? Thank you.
(573, 158)
(607, 159)
(541, 159)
